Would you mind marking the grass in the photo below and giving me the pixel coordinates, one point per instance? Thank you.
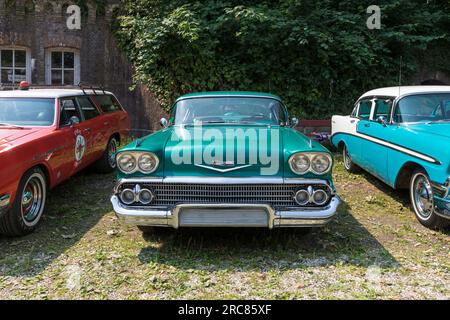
(375, 248)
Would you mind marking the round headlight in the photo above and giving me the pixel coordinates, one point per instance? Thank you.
(148, 162)
(302, 197)
(320, 163)
(146, 196)
(126, 162)
(320, 197)
(127, 196)
(299, 163)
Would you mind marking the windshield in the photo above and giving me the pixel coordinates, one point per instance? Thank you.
(27, 112)
(423, 108)
(233, 110)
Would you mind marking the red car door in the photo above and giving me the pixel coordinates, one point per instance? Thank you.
(94, 123)
(114, 118)
(78, 135)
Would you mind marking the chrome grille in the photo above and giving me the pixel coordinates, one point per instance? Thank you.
(276, 195)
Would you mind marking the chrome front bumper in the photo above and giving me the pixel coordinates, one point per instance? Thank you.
(442, 207)
(298, 217)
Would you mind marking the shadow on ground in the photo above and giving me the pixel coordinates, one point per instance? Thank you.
(72, 209)
(342, 241)
(399, 195)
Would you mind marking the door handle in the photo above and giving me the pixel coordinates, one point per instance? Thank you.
(352, 121)
(367, 125)
(87, 129)
(106, 123)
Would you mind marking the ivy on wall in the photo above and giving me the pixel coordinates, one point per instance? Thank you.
(319, 56)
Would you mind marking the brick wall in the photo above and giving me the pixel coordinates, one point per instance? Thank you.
(41, 25)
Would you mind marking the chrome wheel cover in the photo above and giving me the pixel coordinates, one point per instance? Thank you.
(347, 160)
(33, 199)
(422, 196)
(112, 149)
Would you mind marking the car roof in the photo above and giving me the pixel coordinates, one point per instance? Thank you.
(404, 90)
(210, 94)
(48, 93)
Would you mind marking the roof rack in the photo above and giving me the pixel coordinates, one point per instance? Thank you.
(90, 87)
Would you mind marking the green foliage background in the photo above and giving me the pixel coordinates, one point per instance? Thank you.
(319, 56)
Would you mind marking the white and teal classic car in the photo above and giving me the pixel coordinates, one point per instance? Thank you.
(401, 135)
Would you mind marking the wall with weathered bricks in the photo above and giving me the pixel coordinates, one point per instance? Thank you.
(40, 25)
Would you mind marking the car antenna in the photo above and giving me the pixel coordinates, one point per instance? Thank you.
(400, 76)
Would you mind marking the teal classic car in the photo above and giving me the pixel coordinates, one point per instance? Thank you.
(401, 135)
(225, 159)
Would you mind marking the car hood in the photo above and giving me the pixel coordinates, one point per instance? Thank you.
(225, 150)
(10, 137)
(435, 128)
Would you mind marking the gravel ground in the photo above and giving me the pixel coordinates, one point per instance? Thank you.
(374, 249)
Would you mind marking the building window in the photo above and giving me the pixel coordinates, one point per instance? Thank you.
(62, 67)
(14, 65)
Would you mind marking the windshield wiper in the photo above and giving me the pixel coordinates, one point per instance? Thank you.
(439, 121)
(213, 122)
(11, 126)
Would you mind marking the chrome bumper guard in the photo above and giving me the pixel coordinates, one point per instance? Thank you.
(297, 217)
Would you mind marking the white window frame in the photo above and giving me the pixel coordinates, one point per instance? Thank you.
(27, 62)
(48, 65)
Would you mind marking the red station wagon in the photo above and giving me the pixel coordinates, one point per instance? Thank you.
(47, 135)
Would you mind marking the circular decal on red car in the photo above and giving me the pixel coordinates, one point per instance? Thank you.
(80, 147)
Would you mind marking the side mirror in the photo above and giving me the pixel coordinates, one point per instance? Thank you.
(74, 120)
(164, 123)
(382, 120)
(294, 122)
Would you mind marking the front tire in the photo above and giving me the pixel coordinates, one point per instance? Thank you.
(422, 200)
(28, 206)
(348, 163)
(107, 163)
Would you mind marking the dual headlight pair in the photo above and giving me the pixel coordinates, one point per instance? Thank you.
(130, 162)
(300, 163)
(315, 162)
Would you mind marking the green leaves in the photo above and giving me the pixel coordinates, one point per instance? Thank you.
(318, 56)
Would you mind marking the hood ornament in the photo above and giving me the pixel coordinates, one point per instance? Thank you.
(222, 166)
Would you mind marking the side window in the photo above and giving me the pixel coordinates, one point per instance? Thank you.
(68, 109)
(365, 106)
(88, 109)
(382, 108)
(447, 110)
(108, 103)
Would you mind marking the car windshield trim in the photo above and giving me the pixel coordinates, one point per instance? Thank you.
(246, 107)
